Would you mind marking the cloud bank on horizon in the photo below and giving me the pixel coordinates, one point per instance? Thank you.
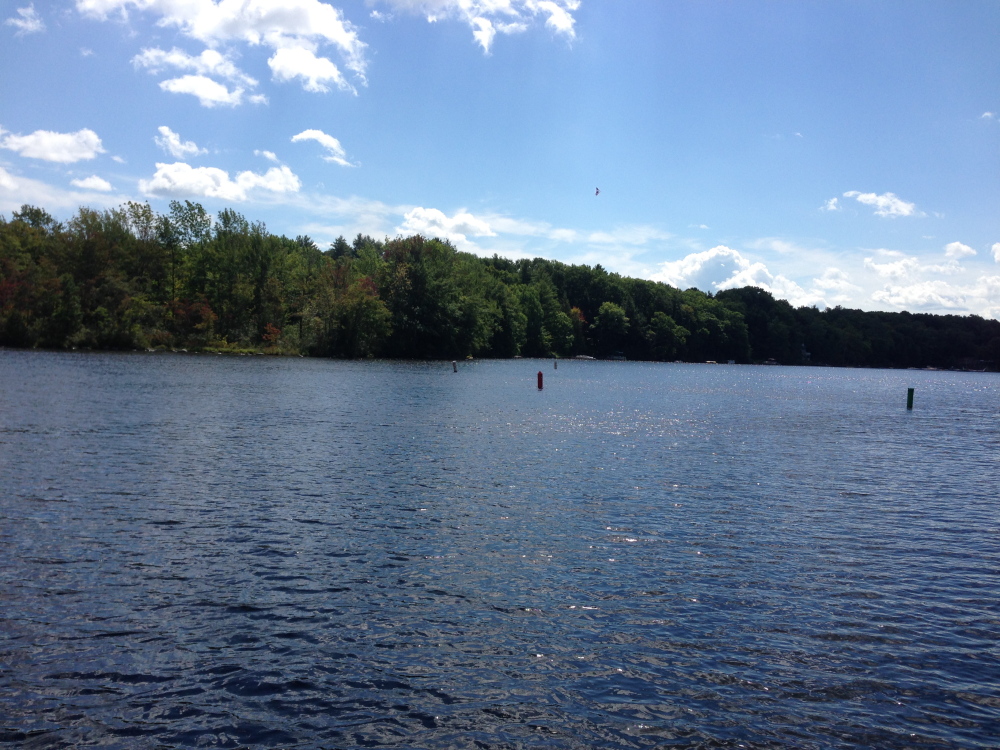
(382, 121)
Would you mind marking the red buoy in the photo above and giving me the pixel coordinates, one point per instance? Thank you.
(539, 380)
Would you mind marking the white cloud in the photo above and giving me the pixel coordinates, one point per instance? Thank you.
(724, 268)
(615, 247)
(888, 279)
(915, 285)
(315, 72)
(208, 63)
(628, 235)
(352, 215)
(836, 280)
(7, 181)
(210, 93)
(921, 295)
(887, 204)
(183, 180)
(335, 152)
(996, 251)
(171, 142)
(562, 235)
(950, 268)
(957, 250)
(28, 21)
(989, 115)
(779, 245)
(277, 24)
(559, 17)
(900, 268)
(487, 18)
(86, 52)
(15, 191)
(708, 270)
(93, 183)
(524, 228)
(64, 148)
(199, 82)
(269, 155)
(430, 222)
(483, 31)
(780, 286)
(831, 205)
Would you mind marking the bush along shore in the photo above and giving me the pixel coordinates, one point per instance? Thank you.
(130, 278)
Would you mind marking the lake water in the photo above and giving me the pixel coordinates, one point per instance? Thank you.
(205, 551)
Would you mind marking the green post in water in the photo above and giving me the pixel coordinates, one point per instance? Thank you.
(909, 398)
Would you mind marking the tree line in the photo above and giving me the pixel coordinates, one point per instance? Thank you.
(130, 278)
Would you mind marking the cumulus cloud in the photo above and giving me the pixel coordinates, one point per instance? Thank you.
(911, 283)
(979, 295)
(996, 251)
(487, 18)
(834, 280)
(208, 63)
(277, 24)
(709, 270)
(314, 72)
(199, 81)
(64, 148)
(335, 152)
(171, 142)
(887, 204)
(93, 183)
(182, 180)
(887, 279)
(210, 93)
(269, 155)
(923, 295)
(430, 222)
(957, 250)
(26, 21)
(724, 268)
(899, 267)
(831, 205)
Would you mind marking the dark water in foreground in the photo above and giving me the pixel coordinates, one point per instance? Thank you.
(221, 552)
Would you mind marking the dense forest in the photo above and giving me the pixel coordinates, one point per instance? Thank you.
(130, 278)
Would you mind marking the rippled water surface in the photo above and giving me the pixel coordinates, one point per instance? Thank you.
(202, 551)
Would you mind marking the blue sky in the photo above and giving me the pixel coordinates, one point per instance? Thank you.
(835, 153)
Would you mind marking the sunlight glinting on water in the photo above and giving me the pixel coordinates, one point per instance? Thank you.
(298, 553)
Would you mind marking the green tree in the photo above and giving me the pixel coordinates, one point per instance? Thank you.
(609, 328)
(667, 339)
